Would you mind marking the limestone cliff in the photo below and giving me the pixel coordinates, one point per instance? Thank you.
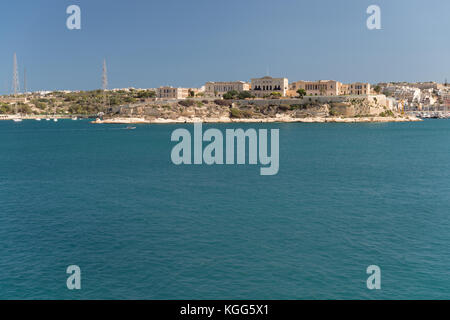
(254, 109)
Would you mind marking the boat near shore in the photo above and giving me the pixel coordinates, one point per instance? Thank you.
(431, 114)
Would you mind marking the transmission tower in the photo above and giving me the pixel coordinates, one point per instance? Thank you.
(15, 76)
(25, 81)
(104, 83)
(105, 76)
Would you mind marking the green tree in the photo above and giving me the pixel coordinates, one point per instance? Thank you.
(275, 95)
(233, 94)
(245, 95)
(228, 96)
(301, 93)
(5, 109)
(146, 94)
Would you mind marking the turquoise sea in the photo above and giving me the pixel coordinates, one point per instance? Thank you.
(110, 201)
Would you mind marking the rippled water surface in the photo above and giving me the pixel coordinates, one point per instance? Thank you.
(109, 200)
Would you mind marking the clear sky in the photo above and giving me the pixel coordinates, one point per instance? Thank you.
(148, 43)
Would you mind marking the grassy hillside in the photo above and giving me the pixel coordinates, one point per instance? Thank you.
(83, 102)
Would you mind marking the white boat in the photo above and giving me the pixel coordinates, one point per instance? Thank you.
(48, 119)
(38, 119)
(17, 120)
(55, 120)
(74, 118)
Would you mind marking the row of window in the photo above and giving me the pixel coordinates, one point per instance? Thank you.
(359, 86)
(317, 87)
(167, 90)
(225, 89)
(268, 88)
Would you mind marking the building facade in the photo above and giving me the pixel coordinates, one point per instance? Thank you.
(446, 99)
(262, 87)
(172, 93)
(218, 89)
(329, 88)
(316, 88)
(356, 89)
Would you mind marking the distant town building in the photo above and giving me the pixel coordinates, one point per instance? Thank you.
(446, 99)
(218, 89)
(12, 100)
(427, 98)
(172, 93)
(262, 87)
(424, 85)
(401, 92)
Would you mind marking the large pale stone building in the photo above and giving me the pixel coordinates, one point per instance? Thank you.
(329, 88)
(262, 87)
(218, 89)
(172, 93)
(357, 88)
(316, 88)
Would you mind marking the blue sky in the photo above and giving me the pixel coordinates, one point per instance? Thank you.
(185, 43)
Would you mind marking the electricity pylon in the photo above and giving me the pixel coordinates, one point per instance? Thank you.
(105, 83)
(15, 76)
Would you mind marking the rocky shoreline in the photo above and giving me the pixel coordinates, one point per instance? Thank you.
(280, 119)
(34, 117)
(305, 110)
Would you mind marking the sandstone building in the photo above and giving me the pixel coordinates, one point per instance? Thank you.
(262, 87)
(329, 88)
(218, 89)
(316, 88)
(172, 93)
